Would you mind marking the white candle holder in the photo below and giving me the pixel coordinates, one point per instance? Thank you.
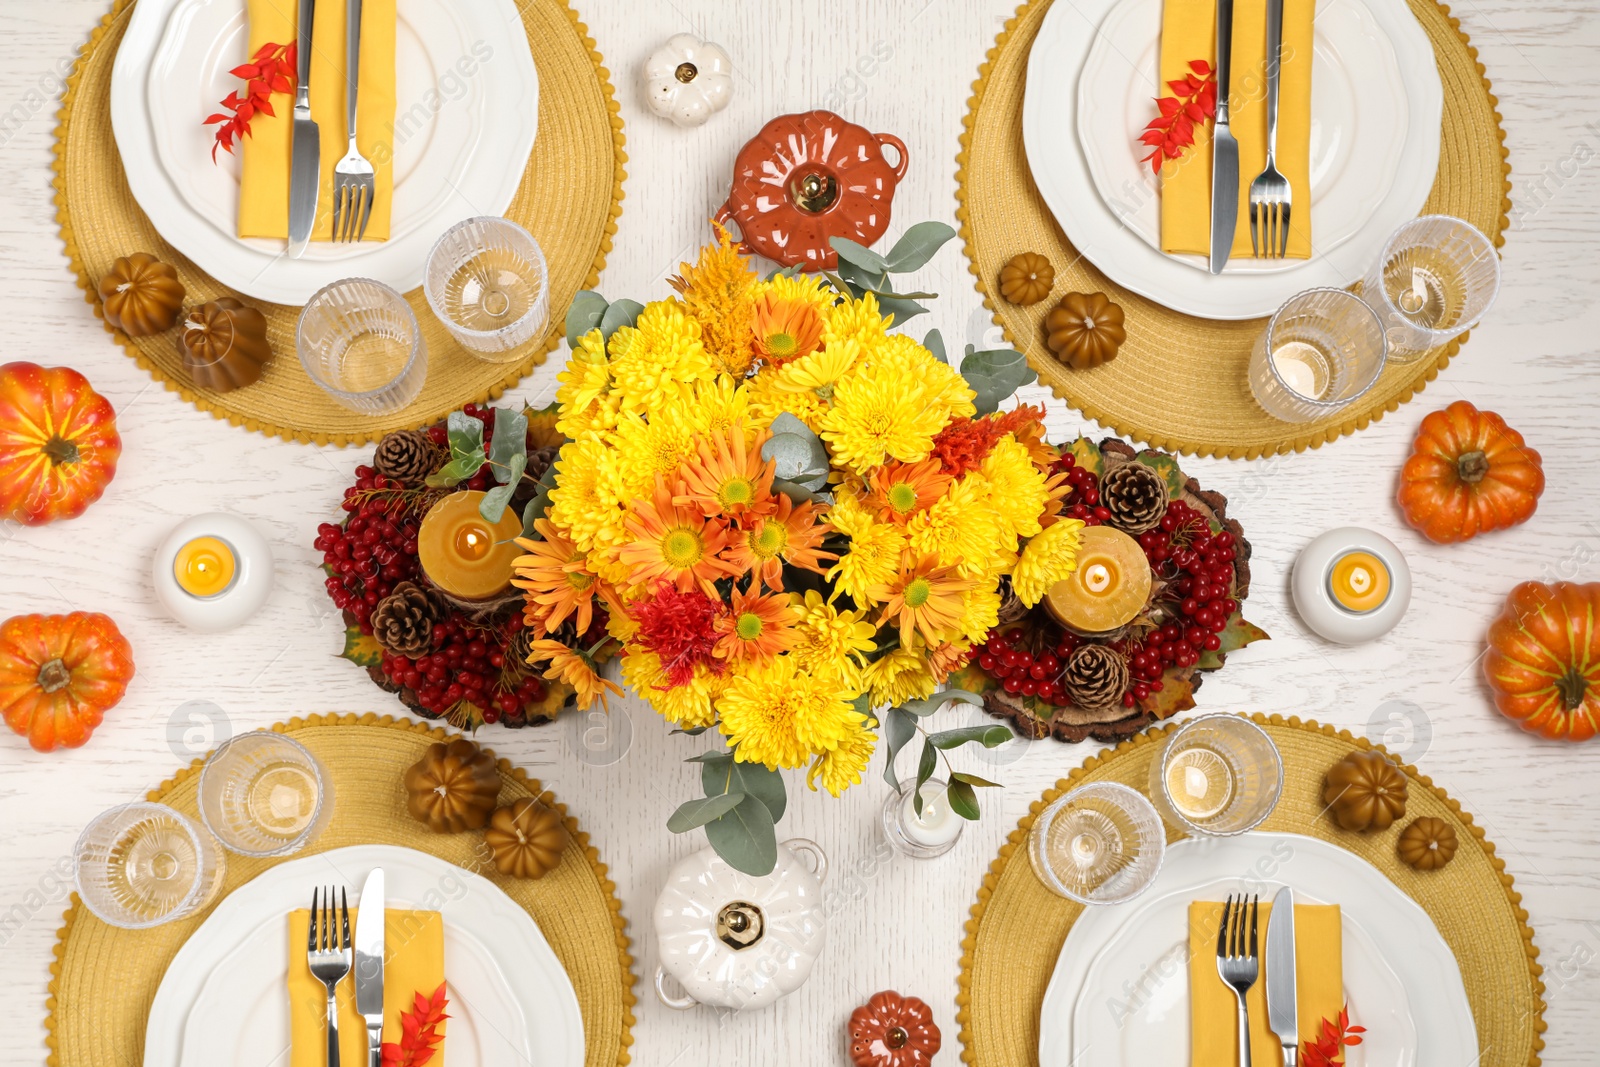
(923, 837)
(247, 570)
(1351, 585)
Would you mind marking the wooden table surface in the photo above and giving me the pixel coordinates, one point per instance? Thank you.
(903, 67)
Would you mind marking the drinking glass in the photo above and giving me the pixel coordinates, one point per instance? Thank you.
(486, 281)
(359, 340)
(263, 794)
(1436, 278)
(1102, 843)
(140, 865)
(1218, 775)
(933, 833)
(1321, 350)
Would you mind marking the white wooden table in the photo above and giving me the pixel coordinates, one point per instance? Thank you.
(906, 68)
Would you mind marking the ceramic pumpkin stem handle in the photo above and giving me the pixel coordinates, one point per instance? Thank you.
(891, 141)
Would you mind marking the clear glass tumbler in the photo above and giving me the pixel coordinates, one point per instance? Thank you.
(264, 794)
(140, 865)
(933, 833)
(1218, 775)
(486, 281)
(359, 340)
(1437, 277)
(1321, 350)
(1102, 843)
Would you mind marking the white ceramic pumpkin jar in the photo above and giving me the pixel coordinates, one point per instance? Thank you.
(687, 80)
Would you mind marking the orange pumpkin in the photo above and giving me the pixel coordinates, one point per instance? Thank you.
(1469, 472)
(58, 443)
(1544, 659)
(59, 674)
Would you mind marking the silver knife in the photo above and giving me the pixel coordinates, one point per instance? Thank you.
(305, 174)
(1224, 150)
(1282, 1008)
(369, 964)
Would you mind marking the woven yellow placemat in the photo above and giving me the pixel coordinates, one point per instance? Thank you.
(103, 979)
(569, 199)
(1178, 382)
(1017, 926)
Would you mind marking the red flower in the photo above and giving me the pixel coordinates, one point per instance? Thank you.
(964, 444)
(681, 628)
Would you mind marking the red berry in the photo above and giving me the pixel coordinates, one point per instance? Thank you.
(1013, 685)
(1213, 642)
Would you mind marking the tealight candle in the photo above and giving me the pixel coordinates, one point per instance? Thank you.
(1110, 586)
(213, 572)
(1351, 585)
(464, 554)
(932, 833)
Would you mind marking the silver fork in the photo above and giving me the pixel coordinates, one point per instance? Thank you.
(1238, 964)
(354, 183)
(1270, 195)
(328, 956)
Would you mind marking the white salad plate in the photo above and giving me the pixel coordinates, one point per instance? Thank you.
(1120, 991)
(1070, 129)
(465, 120)
(224, 997)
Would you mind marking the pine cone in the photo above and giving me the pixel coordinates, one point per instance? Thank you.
(1135, 495)
(1096, 677)
(403, 621)
(1011, 606)
(407, 456)
(539, 461)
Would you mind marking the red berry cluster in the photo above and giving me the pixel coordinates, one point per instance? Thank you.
(1083, 500)
(1024, 671)
(373, 551)
(468, 663)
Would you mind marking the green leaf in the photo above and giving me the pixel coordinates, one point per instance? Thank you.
(456, 471)
(796, 457)
(1167, 467)
(493, 505)
(973, 779)
(843, 287)
(925, 768)
(932, 704)
(361, 649)
(692, 731)
(991, 736)
(696, 813)
(622, 313)
(466, 434)
(535, 508)
(963, 801)
(751, 779)
(510, 439)
(903, 308)
(917, 245)
(861, 279)
(746, 838)
(584, 314)
(713, 756)
(994, 375)
(899, 727)
(934, 343)
(1087, 455)
(784, 272)
(858, 254)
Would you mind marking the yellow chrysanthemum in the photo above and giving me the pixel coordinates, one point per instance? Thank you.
(1046, 560)
(840, 768)
(1017, 492)
(873, 560)
(707, 407)
(690, 705)
(587, 499)
(766, 400)
(855, 320)
(827, 639)
(877, 414)
(901, 675)
(654, 359)
(809, 289)
(779, 716)
(961, 530)
(719, 290)
(850, 514)
(980, 613)
(646, 450)
(819, 372)
(937, 383)
(585, 388)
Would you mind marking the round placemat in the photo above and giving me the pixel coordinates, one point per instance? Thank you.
(103, 979)
(1018, 926)
(569, 199)
(1179, 382)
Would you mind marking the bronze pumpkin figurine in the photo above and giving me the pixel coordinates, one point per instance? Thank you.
(1365, 791)
(453, 787)
(140, 295)
(1085, 330)
(224, 345)
(526, 839)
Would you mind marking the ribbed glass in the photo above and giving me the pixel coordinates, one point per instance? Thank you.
(486, 281)
(1320, 351)
(1218, 775)
(140, 865)
(1102, 843)
(359, 340)
(264, 794)
(1436, 278)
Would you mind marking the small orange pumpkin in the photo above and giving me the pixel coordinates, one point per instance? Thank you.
(1544, 659)
(59, 674)
(1468, 473)
(893, 1031)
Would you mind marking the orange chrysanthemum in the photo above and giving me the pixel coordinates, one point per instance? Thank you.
(757, 628)
(925, 599)
(555, 580)
(574, 668)
(720, 291)
(900, 490)
(677, 544)
(784, 329)
(789, 535)
(727, 477)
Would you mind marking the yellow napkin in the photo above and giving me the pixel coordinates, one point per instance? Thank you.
(264, 183)
(1189, 31)
(1214, 1012)
(414, 944)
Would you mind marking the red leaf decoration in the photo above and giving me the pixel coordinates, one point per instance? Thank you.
(1326, 1048)
(272, 72)
(420, 1035)
(1194, 101)
(1200, 67)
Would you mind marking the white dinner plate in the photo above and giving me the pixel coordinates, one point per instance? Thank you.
(1060, 170)
(465, 121)
(1357, 131)
(223, 997)
(1389, 942)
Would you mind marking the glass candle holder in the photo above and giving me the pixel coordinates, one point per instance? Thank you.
(141, 865)
(1436, 278)
(359, 341)
(1218, 775)
(1102, 843)
(933, 833)
(264, 794)
(1320, 351)
(486, 280)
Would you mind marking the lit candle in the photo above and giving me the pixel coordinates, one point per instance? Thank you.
(938, 824)
(1110, 586)
(1351, 585)
(1359, 581)
(205, 567)
(463, 553)
(213, 572)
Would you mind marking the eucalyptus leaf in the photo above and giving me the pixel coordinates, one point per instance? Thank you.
(963, 801)
(843, 287)
(973, 779)
(903, 308)
(798, 493)
(994, 375)
(584, 314)
(692, 731)
(861, 278)
(917, 245)
(795, 457)
(934, 343)
(713, 756)
(510, 439)
(925, 768)
(456, 471)
(859, 254)
(746, 838)
(465, 433)
(932, 704)
(697, 813)
(784, 272)
(991, 736)
(786, 422)
(535, 508)
(493, 505)
(622, 313)
(899, 727)
(751, 779)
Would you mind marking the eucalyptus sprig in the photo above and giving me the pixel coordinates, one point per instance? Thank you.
(901, 724)
(506, 457)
